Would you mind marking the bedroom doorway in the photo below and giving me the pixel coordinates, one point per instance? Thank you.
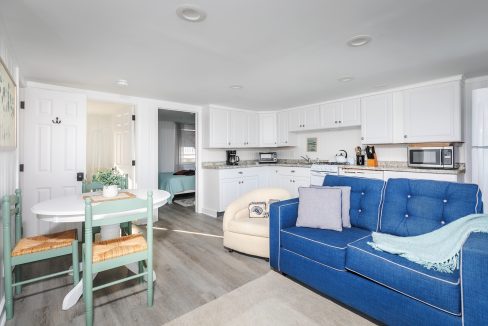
(177, 156)
(110, 139)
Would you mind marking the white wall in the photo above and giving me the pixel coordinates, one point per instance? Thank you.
(9, 176)
(166, 146)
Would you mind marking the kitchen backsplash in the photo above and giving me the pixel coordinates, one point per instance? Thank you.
(328, 144)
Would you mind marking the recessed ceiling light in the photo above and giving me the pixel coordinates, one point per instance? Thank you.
(122, 82)
(345, 79)
(191, 13)
(359, 40)
(236, 86)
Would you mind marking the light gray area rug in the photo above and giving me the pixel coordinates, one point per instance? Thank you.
(270, 300)
(186, 202)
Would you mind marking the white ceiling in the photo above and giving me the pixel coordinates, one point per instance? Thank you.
(284, 52)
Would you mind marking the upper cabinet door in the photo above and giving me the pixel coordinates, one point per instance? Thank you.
(283, 128)
(350, 113)
(252, 130)
(267, 130)
(377, 119)
(295, 120)
(433, 113)
(311, 117)
(238, 129)
(328, 113)
(219, 128)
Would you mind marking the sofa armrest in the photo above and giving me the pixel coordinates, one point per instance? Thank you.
(281, 215)
(474, 279)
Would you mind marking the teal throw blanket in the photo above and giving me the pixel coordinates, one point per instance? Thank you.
(439, 249)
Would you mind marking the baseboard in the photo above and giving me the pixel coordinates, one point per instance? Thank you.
(209, 212)
(3, 316)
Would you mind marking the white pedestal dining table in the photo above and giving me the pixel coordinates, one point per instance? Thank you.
(69, 209)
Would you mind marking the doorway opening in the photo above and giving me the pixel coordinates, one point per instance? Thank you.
(177, 156)
(110, 139)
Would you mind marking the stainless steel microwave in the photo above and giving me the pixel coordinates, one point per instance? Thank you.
(433, 157)
(268, 157)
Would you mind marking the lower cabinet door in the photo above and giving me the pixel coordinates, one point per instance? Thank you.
(229, 191)
(248, 184)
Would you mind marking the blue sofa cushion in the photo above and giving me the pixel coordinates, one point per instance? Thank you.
(414, 207)
(366, 197)
(439, 290)
(327, 247)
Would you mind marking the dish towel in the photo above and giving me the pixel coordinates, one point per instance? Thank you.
(439, 249)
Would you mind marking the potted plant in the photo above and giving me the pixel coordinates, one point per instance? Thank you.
(111, 179)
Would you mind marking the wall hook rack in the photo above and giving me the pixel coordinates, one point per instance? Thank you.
(57, 121)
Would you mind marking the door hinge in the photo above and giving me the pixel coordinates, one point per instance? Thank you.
(21, 167)
(133, 117)
(22, 105)
(133, 162)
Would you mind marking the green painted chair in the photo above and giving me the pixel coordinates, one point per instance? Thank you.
(31, 249)
(126, 228)
(108, 254)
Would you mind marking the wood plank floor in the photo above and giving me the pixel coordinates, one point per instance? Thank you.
(192, 269)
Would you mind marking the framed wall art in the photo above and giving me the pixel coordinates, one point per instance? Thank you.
(8, 110)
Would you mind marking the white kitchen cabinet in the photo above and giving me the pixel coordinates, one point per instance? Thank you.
(283, 133)
(305, 118)
(362, 173)
(267, 130)
(291, 178)
(252, 136)
(218, 128)
(423, 175)
(238, 129)
(433, 113)
(340, 114)
(377, 119)
(328, 114)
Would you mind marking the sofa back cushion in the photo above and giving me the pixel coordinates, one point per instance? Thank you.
(366, 199)
(413, 207)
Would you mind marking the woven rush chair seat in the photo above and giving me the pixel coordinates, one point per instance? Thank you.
(45, 242)
(108, 249)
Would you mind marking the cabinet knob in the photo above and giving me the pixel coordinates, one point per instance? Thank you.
(240, 172)
(229, 143)
(362, 138)
(404, 136)
(286, 141)
(340, 121)
(293, 181)
(292, 171)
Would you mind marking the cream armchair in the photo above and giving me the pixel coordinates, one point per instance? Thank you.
(249, 235)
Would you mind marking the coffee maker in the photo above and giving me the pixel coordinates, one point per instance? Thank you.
(232, 158)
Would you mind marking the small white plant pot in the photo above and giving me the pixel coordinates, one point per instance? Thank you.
(110, 191)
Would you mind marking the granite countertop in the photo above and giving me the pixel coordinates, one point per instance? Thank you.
(384, 166)
(254, 164)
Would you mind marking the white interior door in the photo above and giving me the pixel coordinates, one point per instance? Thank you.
(54, 151)
(123, 143)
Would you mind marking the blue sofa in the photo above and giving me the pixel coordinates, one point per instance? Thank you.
(387, 287)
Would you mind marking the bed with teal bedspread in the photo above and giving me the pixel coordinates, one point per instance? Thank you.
(175, 184)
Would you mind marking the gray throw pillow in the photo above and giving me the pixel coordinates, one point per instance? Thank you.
(320, 208)
(346, 203)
